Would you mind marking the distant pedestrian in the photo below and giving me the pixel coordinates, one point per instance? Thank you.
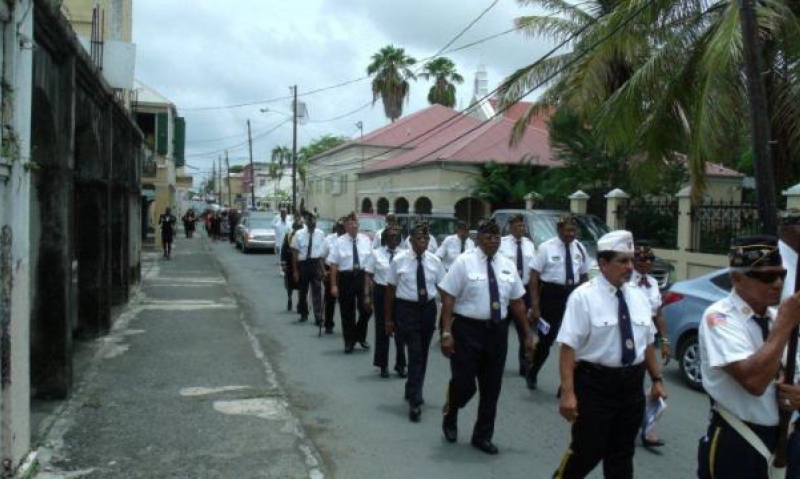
(349, 283)
(410, 309)
(168, 222)
(378, 268)
(329, 299)
(282, 226)
(518, 247)
(287, 266)
(391, 220)
(233, 221)
(189, 220)
(477, 294)
(560, 265)
(309, 251)
(216, 226)
(455, 245)
(607, 346)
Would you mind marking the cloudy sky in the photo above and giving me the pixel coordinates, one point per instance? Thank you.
(210, 53)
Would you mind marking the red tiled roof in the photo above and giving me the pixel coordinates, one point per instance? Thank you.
(488, 142)
(715, 169)
(518, 109)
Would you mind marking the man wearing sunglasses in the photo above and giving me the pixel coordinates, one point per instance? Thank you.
(742, 341)
(643, 259)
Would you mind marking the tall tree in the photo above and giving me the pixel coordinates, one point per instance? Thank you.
(391, 70)
(281, 156)
(443, 91)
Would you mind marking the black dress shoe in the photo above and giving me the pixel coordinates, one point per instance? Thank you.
(402, 372)
(348, 348)
(414, 413)
(531, 382)
(647, 443)
(364, 345)
(384, 373)
(450, 427)
(485, 445)
(303, 319)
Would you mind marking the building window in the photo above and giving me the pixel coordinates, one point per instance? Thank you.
(262, 182)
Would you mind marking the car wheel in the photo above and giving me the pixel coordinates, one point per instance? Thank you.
(689, 361)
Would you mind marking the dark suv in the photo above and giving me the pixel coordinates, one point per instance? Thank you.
(590, 228)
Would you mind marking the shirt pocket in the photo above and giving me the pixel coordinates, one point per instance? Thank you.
(603, 321)
(641, 324)
(506, 284)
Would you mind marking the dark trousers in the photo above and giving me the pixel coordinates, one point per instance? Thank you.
(310, 276)
(724, 453)
(351, 297)
(793, 453)
(480, 356)
(416, 323)
(330, 303)
(382, 340)
(610, 404)
(552, 303)
(523, 363)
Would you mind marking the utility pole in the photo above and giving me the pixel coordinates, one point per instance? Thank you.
(252, 169)
(294, 149)
(759, 120)
(228, 167)
(219, 181)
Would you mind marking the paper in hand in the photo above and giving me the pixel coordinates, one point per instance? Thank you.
(544, 326)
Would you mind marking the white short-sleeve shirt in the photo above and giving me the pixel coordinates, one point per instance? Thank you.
(591, 323)
(403, 274)
(653, 293)
(342, 252)
(281, 227)
(468, 281)
(379, 263)
(508, 248)
(319, 246)
(450, 249)
(727, 335)
(550, 263)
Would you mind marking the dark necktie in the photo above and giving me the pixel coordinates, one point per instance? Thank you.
(568, 265)
(391, 255)
(626, 330)
(356, 264)
(519, 257)
(643, 282)
(494, 292)
(310, 241)
(763, 324)
(422, 289)
(463, 244)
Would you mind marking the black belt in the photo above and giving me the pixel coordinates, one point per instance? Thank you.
(560, 287)
(414, 303)
(620, 372)
(760, 430)
(351, 273)
(487, 323)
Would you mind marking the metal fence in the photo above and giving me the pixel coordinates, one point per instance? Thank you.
(715, 224)
(652, 219)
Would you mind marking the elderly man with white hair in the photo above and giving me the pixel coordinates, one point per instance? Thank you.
(606, 342)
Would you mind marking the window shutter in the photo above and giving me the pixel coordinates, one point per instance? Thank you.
(161, 133)
(179, 143)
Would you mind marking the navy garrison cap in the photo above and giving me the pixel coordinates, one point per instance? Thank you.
(755, 250)
(420, 228)
(488, 226)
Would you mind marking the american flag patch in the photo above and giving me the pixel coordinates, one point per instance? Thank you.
(716, 319)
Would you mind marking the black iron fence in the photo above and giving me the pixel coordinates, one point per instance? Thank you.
(652, 219)
(715, 224)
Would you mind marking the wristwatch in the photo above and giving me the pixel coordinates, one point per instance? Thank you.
(446, 335)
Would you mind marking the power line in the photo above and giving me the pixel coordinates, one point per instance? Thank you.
(239, 145)
(465, 29)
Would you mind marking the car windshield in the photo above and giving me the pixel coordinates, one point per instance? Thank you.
(441, 227)
(260, 223)
(371, 224)
(543, 225)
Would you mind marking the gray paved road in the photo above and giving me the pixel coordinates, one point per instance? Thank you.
(359, 421)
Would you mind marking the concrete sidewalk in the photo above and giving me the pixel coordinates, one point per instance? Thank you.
(179, 388)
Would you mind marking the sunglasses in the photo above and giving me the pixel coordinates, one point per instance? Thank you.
(645, 257)
(766, 277)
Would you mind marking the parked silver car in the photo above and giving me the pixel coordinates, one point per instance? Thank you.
(255, 231)
(683, 310)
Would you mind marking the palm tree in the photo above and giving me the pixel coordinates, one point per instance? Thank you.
(443, 92)
(391, 68)
(281, 155)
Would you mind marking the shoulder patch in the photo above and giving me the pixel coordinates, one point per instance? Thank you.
(715, 318)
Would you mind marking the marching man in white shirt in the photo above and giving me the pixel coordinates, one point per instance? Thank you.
(521, 250)
(742, 342)
(560, 266)
(410, 309)
(281, 224)
(454, 245)
(606, 345)
(477, 294)
(309, 250)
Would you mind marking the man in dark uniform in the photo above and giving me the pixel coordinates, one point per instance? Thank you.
(477, 293)
(410, 304)
(742, 343)
(606, 345)
(167, 222)
(560, 266)
(349, 283)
